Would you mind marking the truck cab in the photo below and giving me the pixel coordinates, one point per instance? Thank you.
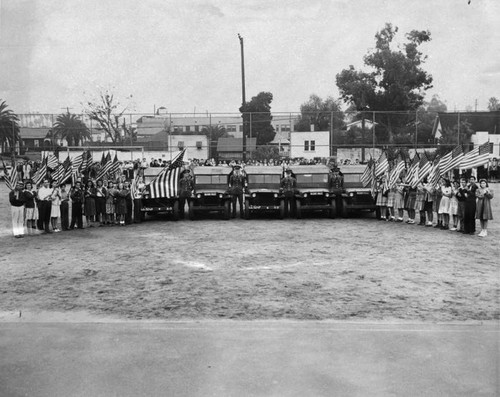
(210, 191)
(355, 197)
(164, 204)
(263, 191)
(313, 190)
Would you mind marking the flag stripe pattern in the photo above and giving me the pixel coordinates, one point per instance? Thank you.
(476, 157)
(40, 173)
(382, 165)
(166, 182)
(396, 172)
(424, 167)
(456, 157)
(10, 180)
(367, 174)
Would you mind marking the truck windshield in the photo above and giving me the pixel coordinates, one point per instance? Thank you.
(211, 179)
(312, 178)
(266, 179)
(352, 178)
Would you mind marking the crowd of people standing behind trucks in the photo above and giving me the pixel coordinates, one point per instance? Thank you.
(450, 205)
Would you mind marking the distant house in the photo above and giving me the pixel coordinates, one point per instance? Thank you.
(282, 140)
(309, 144)
(34, 139)
(196, 145)
(486, 127)
(232, 148)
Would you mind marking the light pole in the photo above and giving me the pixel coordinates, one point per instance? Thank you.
(243, 100)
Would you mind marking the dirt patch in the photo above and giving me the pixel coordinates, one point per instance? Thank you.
(355, 269)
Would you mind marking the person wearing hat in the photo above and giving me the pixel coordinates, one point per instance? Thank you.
(288, 185)
(44, 206)
(186, 187)
(237, 185)
(17, 200)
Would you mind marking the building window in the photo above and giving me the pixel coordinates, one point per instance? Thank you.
(36, 143)
(196, 128)
(306, 146)
(199, 145)
(285, 127)
(188, 128)
(241, 128)
(230, 128)
(313, 146)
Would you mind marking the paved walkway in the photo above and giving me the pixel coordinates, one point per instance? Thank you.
(258, 358)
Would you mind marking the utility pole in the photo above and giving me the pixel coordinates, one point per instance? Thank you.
(243, 100)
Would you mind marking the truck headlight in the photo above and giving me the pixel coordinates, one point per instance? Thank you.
(254, 195)
(198, 195)
(275, 194)
(305, 195)
(351, 194)
(220, 195)
(327, 194)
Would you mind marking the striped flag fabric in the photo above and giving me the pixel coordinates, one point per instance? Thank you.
(444, 162)
(86, 161)
(77, 162)
(10, 180)
(366, 177)
(476, 157)
(166, 182)
(456, 157)
(434, 175)
(52, 162)
(58, 173)
(115, 166)
(413, 168)
(424, 167)
(133, 185)
(382, 165)
(68, 172)
(396, 172)
(104, 167)
(40, 173)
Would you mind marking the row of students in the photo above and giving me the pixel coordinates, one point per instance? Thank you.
(42, 210)
(451, 206)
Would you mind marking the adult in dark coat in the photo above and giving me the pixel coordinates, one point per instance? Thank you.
(288, 185)
(470, 207)
(186, 187)
(77, 199)
(237, 184)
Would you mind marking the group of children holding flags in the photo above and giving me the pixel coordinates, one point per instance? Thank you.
(426, 187)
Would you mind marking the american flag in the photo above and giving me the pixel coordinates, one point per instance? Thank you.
(77, 162)
(10, 180)
(58, 173)
(382, 165)
(166, 182)
(456, 157)
(104, 167)
(396, 172)
(434, 175)
(40, 173)
(135, 182)
(115, 166)
(68, 172)
(86, 161)
(476, 157)
(424, 167)
(52, 161)
(444, 162)
(366, 178)
(413, 168)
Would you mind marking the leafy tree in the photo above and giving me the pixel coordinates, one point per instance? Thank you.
(9, 128)
(426, 116)
(318, 112)
(394, 82)
(107, 111)
(450, 137)
(493, 104)
(69, 127)
(266, 152)
(257, 118)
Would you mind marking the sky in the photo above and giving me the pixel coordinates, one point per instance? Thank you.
(185, 55)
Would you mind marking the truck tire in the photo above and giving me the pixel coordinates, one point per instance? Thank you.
(298, 209)
(282, 209)
(332, 212)
(344, 212)
(175, 210)
(191, 210)
(227, 211)
(247, 209)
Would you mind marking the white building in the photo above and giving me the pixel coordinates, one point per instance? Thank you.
(310, 144)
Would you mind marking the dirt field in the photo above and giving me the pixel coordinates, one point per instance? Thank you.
(259, 269)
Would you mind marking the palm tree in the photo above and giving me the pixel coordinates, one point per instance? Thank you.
(9, 128)
(69, 127)
(213, 133)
